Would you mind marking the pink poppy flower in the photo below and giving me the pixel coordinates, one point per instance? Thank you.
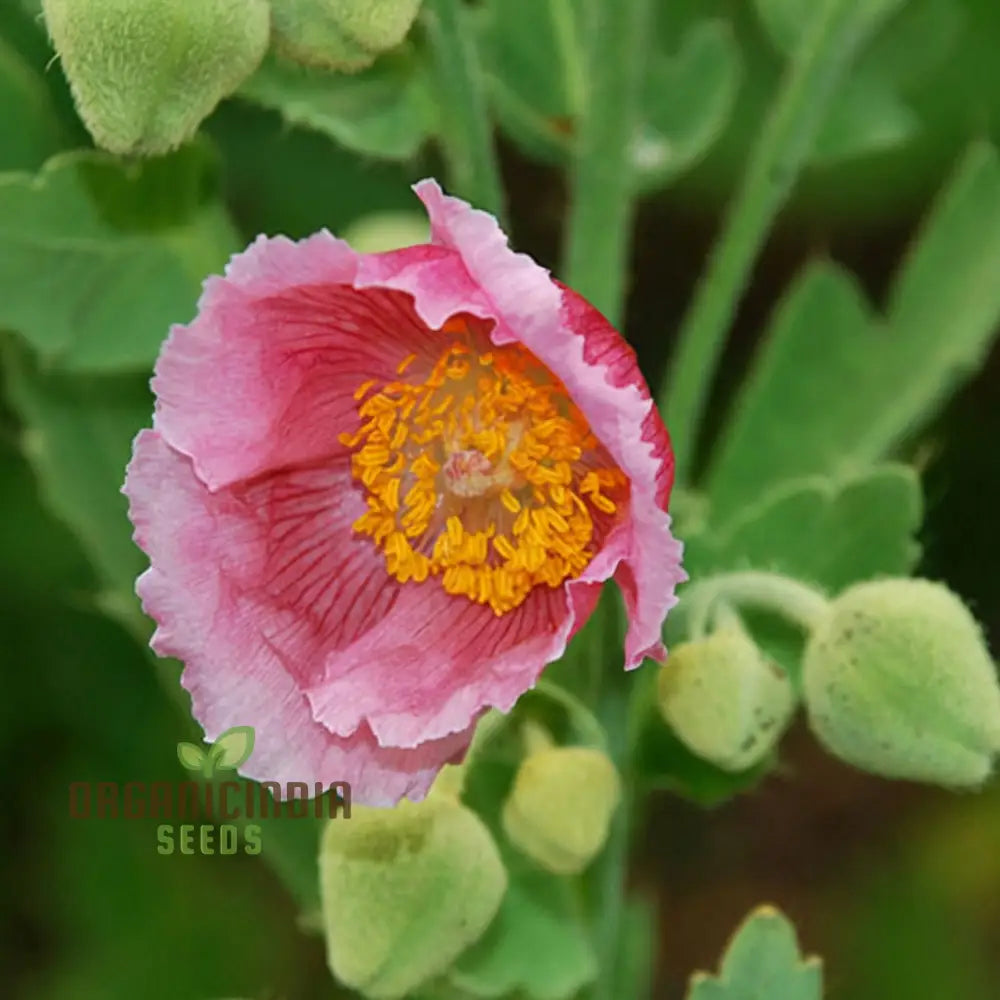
(382, 491)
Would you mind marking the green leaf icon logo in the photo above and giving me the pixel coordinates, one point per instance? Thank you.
(233, 748)
(192, 757)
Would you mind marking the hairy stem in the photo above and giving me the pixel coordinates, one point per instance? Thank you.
(836, 32)
(603, 189)
(467, 134)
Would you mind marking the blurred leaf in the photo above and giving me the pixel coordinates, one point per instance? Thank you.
(687, 100)
(828, 532)
(384, 111)
(914, 42)
(295, 180)
(536, 944)
(869, 383)
(532, 54)
(762, 962)
(126, 245)
(78, 439)
(29, 126)
(869, 115)
(866, 117)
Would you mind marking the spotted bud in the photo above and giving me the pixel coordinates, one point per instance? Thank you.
(145, 73)
(898, 681)
(405, 891)
(725, 700)
(560, 807)
(344, 35)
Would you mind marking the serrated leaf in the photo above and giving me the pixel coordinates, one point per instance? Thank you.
(833, 389)
(78, 439)
(233, 747)
(127, 245)
(535, 945)
(830, 533)
(762, 962)
(825, 531)
(867, 116)
(192, 757)
(383, 112)
(687, 100)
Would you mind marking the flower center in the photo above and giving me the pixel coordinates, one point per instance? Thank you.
(483, 473)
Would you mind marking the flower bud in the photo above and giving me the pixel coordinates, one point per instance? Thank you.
(345, 35)
(560, 807)
(898, 681)
(405, 891)
(726, 701)
(145, 73)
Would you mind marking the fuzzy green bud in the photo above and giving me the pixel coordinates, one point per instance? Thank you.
(726, 701)
(405, 891)
(146, 73)
(560, 807)
(898, 681)
(344, 35)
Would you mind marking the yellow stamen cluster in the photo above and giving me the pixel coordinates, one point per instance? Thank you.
(483, 473)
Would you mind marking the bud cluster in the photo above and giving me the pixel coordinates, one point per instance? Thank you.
(145, 73)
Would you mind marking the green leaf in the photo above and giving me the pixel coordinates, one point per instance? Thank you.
(687, 101)
(825, 531)
(29, 126)
(536, 944)
(384, 111)
(869, 115)
(762, 962)
(191, 757)
(832, 389)
(866, 117)
(531, 51)
(78, 440)
(127, 246)
(830, 533)
(233, 747)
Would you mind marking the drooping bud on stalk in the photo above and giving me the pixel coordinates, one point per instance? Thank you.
(344, 35)
(146, 73)
(898, 681)
(379, 872)
(725, 700)
(560, 807)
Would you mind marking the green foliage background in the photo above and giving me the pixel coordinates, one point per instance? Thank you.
(899, 887)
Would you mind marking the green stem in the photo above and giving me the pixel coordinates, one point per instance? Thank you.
(602, 183)
(796, 601)
(612, 866)
(836, 31)
(466, 133)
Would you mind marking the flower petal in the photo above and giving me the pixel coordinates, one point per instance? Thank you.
(265, 375)
(201, 545)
